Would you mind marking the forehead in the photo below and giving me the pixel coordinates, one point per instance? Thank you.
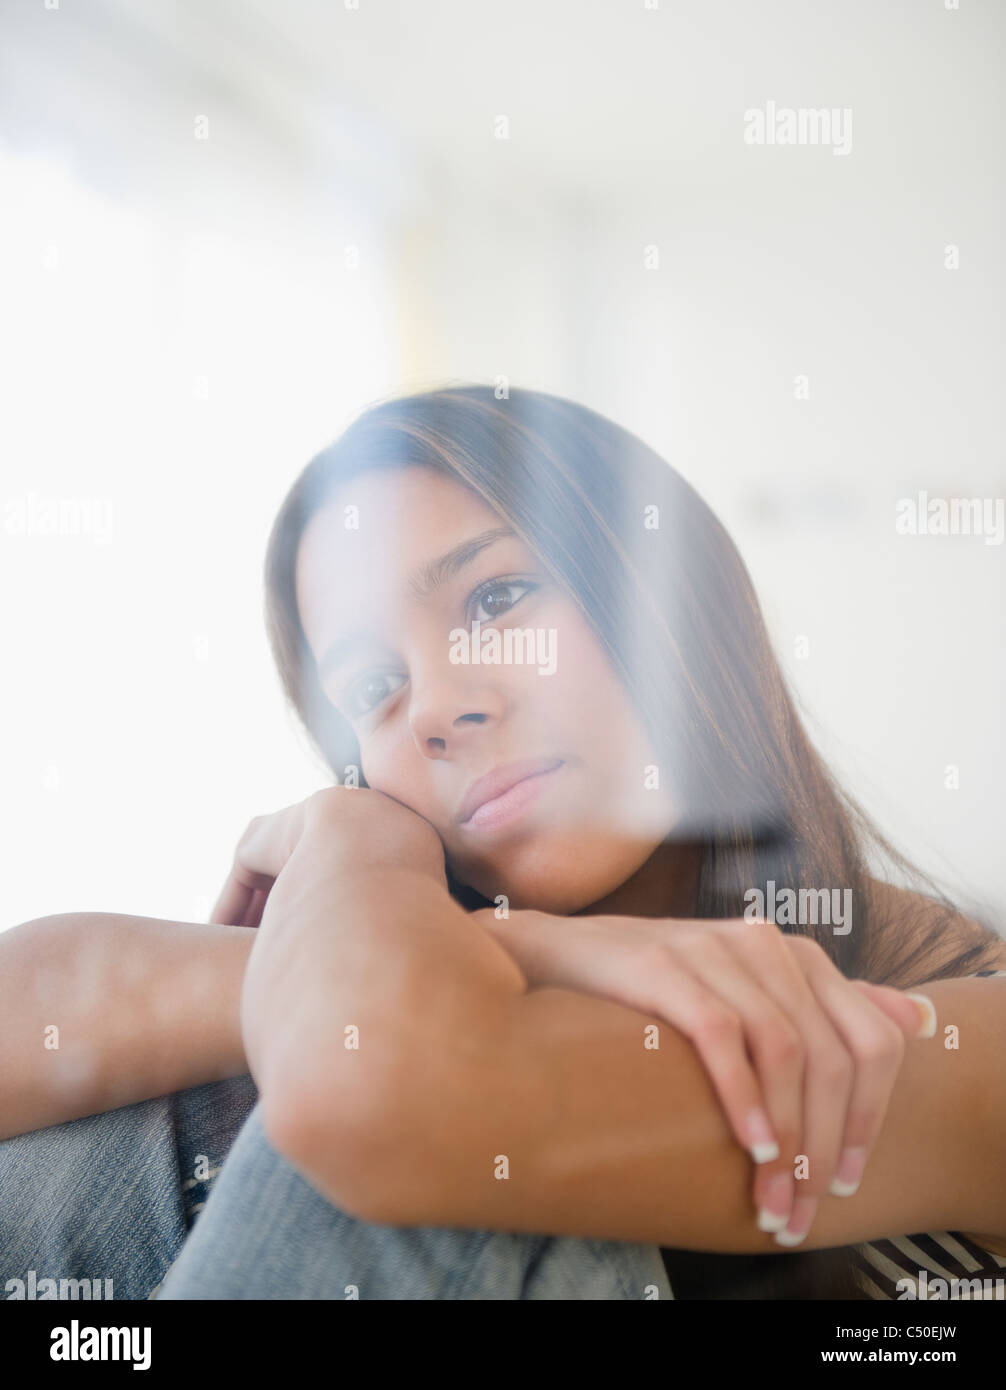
(372, 533)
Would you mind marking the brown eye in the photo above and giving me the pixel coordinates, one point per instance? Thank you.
(370, 691)
(496, 599)
(375, 688)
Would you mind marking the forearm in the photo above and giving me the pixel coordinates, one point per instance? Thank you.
(358, 966)
(103, 1009)
(608, 1140)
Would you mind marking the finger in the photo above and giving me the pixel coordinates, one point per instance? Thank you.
(877, 1046)
(253, 917)
(828, 1067)
(915, 1014)
(778, 1052)
(237, 894)
(662, 981)
(768, 1036)
(641, 970)
(232, 904)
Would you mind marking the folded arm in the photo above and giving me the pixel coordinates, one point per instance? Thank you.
(606, 1139)
(480, 1104)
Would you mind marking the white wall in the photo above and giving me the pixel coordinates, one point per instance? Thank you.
(182, 332)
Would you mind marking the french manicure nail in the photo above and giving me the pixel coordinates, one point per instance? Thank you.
(927, 1027)
(774, 1214)
(800, 1222)
(850, 1171)
(762, 1143)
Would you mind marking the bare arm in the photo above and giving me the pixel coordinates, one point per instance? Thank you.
(597, 1135)
(100, 1010)
(608, 1140)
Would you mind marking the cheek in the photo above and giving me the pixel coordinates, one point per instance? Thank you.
(379, 763)
(632, 794)
(592, 698)
(390, 764)
(580, 659)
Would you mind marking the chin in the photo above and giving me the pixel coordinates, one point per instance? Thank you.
(550, 877)
(555, 898)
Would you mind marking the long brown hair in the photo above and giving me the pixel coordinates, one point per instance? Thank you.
(669, 598)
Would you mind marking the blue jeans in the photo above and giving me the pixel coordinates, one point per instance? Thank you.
(183, 1197)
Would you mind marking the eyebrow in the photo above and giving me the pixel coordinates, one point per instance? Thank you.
(427, 579)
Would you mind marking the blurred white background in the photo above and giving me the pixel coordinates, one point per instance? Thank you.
(185, 321)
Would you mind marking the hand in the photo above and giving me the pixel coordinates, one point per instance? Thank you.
(261, 853)
(356, 827)
(354, 823)
(357, 914)
(803, 1060)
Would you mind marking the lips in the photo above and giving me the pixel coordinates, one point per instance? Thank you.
(500, 781)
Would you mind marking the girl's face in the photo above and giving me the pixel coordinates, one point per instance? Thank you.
(533, 768)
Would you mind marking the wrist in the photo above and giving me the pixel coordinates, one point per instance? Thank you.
(239, 951)
(347, 831)
(523, 935)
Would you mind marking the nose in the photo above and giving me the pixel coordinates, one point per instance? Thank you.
(446, 715)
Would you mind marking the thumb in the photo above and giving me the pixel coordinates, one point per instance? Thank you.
(915, 1014)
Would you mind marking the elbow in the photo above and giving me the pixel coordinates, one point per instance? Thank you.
(346, 1151)
(388, 1138)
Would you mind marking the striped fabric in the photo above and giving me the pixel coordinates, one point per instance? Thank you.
(912, 1267)
(907, 1267)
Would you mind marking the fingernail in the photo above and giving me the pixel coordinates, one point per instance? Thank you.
(927, 1027)
(850, 1171)
(774, 1214)
(799, 1223)
(761, 1140)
